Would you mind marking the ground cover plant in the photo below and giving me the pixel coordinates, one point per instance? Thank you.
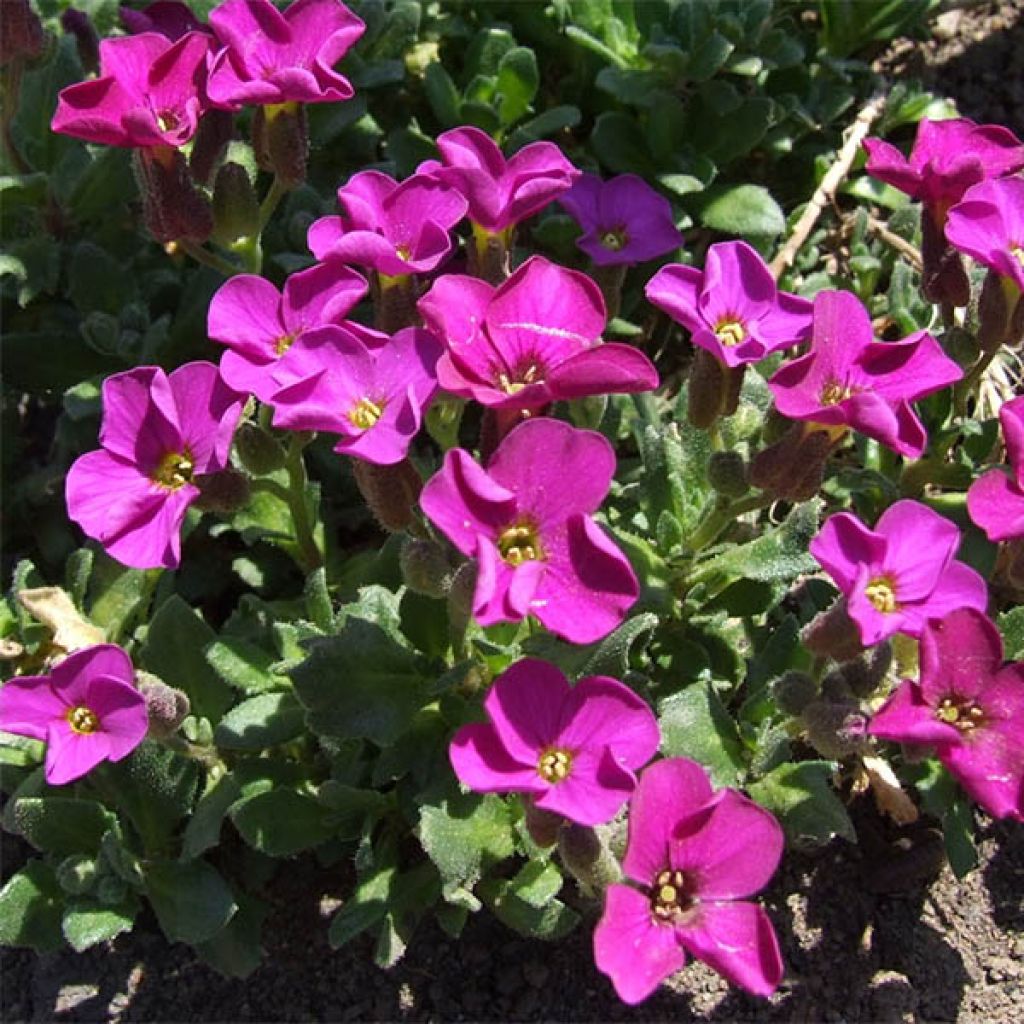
(440, 450)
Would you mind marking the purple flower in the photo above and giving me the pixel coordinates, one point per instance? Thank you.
(988, 225)
(574, 749)
(273, 57)
(732, 308)
(850, 381)
(259, 324)
(501, 192)
(901, 574)
(396, 229)
(996, 500)
(948, 158)
(148, 93)
(694, 854)
(624, 220)
(159, 433)
(533, 340)
(87, 710)
(969, 706)
(170, 18)
(372, 394)
(537, 546)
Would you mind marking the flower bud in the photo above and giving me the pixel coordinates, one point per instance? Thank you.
(172, 207)
(280, 140)
(543, 826)
(166, 706)
(993, 313)
(793, 691)
(833, 634)
(257, 450)
(865, 674)
(835, 730)
(775, 426)
(224, 492)
(794, 467)
(727, 473)
(76, 874)
(87, 42)
(213, 133)
(21, 32)
(460, 598)
(390, 491)
(943, 278)
(713, 389)
(584, 851)
(425, 567)
(236, 210)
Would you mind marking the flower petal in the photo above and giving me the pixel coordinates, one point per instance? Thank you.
(28, 704)
(595, 790)
(919, 544)
(482, 762)
(525, 706)
(959, 654)
(70, 755)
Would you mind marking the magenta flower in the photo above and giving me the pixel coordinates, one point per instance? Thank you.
(537, 546)
(624, 220)
(170, 18)
(159, 433)
(948, 158)
(969, 706)
(259, 324)
(573, 749)
(500, 192)
(996, 500)
(87, 710)
(850, 381)
(732, 308)
(533, 340)
(394, 228)
(901, 574)
(148, 93)
(273, 57)
(695, 854)
(988, 225)
(373, 395)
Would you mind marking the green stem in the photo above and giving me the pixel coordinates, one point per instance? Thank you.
(310, 557)
(963, 390)
(722, 516)
(274, 195)
(209, 259)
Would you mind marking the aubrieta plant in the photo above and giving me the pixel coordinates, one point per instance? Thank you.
(460, 475)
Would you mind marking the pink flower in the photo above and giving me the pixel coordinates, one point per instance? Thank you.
(574, 749)
(500, 192)
(159, 433)
(533, 340)
(988, 225)
(526, 518)
(148, 93)
(87, 710)
(849, 380)
(274, 57)
(732, 308)
(996, 500)
(694, 854)
(258, 323)
(169, 18)
(969, 706)
(394, 228)
(372, 394)
(901, 574)
(948, 157)
(624, 220)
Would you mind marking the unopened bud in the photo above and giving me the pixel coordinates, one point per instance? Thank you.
(833, 634)
(793, 691)
(584, 851)
(166, 706)
(280, 140)
(257, 450)
(775, 426)
(865, 674)
(172, 207)
(794, 467)
(236, 210)
(543, 826)
(425, 567)
(713, 389)
(943, 278)
(87, 42)
(835, 730)
(727, 473)
(223, 492)
(21, 32)
(460, 598)
(76, 874)
(212, 136)
(993, 313)
(390, 491)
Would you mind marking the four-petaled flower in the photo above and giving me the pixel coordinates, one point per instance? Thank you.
(731, 307)
(259, 324)
(850, 381)
(624, 220)
(573, 749)
(272, 57)
(694, 854)
(996, 500)
(159, 433)
(87, 710)
(901, 574)
(533, 340)
(394, 228)
(988, 225)
(527, 519)
(372, 392)
(969, 707)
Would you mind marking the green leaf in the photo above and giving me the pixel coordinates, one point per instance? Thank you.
(282, 822)
(694, 723)
(518, 79)
(547, 123)
(203, 829)
(349, 807)
(61, 825)
(442, 95)
(527, 903)
(747, 210)
(117, 594)
(191, 900)
(1011, 625)
(802, 798)
(261, 722)
(619, 144)
(88, 922)
(96, 281)
(367, 905)
(319, 608)
(175, 642)
(243, 665)
(235, 950)
(30, 909)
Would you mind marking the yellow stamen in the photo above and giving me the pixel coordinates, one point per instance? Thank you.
(615, 239)
(520, 543)
(966, 716)
(513, 387)
(554, 765)
(671, 896)
(881, 593)
(283, 344)
(730, 332)
(365, 413)
(83, 720)
(833, 393)
(174, 470)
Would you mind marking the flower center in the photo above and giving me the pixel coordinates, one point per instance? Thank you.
(167, 120)
(513, 386)
(554, 765)
(365, 413)
(283, 344)
(673, 893)
(965, 716)
(730, 332)
(615, 239)
(1017, 251)
(174, 470)
(834, 392)
(520, 543)
(403, 252)
(83, 720)
(881, 593)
